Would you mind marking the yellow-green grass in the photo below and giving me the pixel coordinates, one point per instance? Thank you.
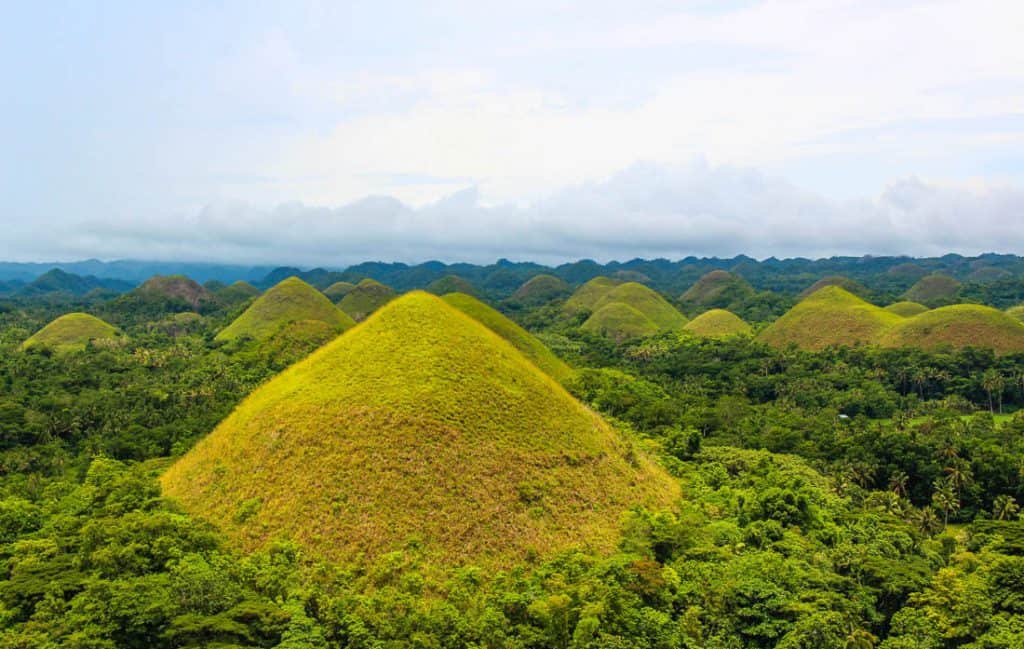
(958, 326)
(541, 289)
(288, 301)
(933, 289)
(295, 340)
(338, 290)
(714, 285)
(71, 332)
(586, 297)
(520, 338)
(906, 309)
(717, 323)
(176, 287)
(420, 425)
(845, 283)
(1016, 312)
(620, 322)
(368, 296)
(451, 284)
(831, 316)
(665, 316)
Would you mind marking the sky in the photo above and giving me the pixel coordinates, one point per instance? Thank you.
(328, 133)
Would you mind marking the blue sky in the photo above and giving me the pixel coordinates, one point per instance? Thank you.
(563, 129)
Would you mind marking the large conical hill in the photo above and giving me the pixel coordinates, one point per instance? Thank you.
(291, 300)
(520, 338)
(958, 326)
(541, 289)
(586, 297)
(71, 332)
(717, 288)
(420, 425)
(176, 287)
(906, 309)
(645, 300)
(933, 290)
(451, 284)
(368, 296)
(831, 316)
(620, 322)
(717, 323)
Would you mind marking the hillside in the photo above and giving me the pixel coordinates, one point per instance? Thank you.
(289, 301)
(719, 288)
(519, 338)
(933, 290)
(844, 283)
(665, 316)
(586, 297)
(906, 309)
(958, 326)
(175, 287)
(620, 322)
(70, 332)
(451, 284)
(420, 425)
(829, 316)
(1016, 312)
(368, 296)
(717, 323)
(236, 293)
(541, 289)
(338, 290)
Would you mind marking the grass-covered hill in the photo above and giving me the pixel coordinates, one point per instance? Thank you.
(719, 288)
(1016, 312)
(520, 338)
(717, 323)
(176, 287)
(291, 300)
(70, 332)
(620, 322)
(958, 326)
(451, 284)
(906, 309)
(845, 283)
(368, 296)
(830, 316)
(648, 302)
(419, 426)
(338, 290)
(586, 297)
(933, 290)
(541, 289)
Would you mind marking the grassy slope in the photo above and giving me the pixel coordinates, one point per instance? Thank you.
(587, 296)
(928, 290)
(520, 338)
(711, 285)
(70, 332)
(906, 309)
(845, 283)
(338, 290)
(717, 323)
(829, 316)
(665, 316)
(956, 326)
(368, 296)
(451, 284)
(420, 423)
(541, 289)
(288, 301)
(1016, 312)
(620, 322)
(176, 286)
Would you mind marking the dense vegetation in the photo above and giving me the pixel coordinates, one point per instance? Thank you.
(835, 497)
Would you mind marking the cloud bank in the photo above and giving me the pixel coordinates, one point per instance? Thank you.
(646, 210)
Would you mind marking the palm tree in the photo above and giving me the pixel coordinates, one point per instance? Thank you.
(958, 475)
(945, 498)
(927, 522)
(1004, 507)
(993, 382)
(898, 483)
(859, 638)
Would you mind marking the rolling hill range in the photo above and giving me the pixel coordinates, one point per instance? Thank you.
(368, 296)
(586, 297)
(717, 323)
(289, 301)
(829, 316)
(71, 332)
(632, 310)
(933, 290)
(420, 425)
(338, 290)
(958, 326)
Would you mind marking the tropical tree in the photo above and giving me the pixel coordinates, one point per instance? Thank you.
(1004, 507)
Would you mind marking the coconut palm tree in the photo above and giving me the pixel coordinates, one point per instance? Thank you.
(1004, 507)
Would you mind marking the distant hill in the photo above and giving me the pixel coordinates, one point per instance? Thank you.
(717, 289)
(419, 426)
(368, 296)
(844, 283)
(958, 326)
(236, 293)
(586, 297)
(933, 290)
(665, 316)
(451, 284)
(906, 309)
(519, 338)
(56, 280)
(176, 287)
(831, 316)
(541, 289)
(291, 300)
(338, 290)
(717, 323)
(620, 322)
(71, 332)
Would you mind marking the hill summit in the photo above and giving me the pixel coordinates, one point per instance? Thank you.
(420, 426)
(718, 288)
(368, 296)
(71, 332)
(829, 316)
(616, 313)
(176, 287)
(717, 323)
(289, 301)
